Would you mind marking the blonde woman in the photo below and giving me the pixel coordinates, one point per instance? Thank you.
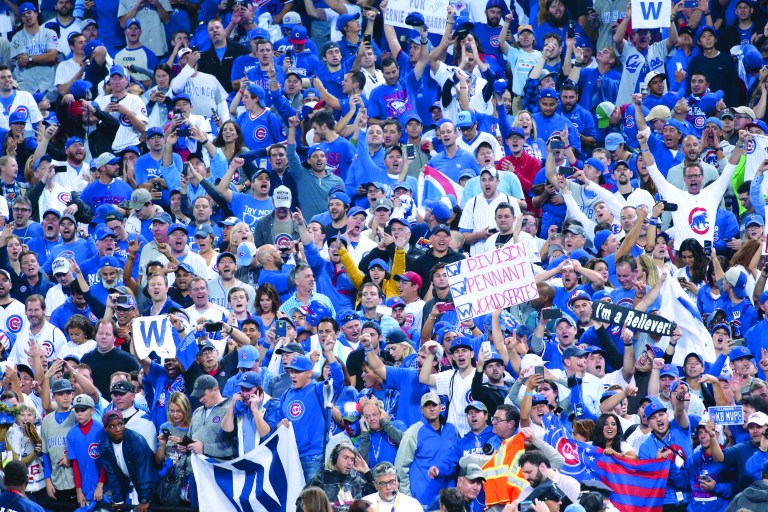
(240, 233)
(534, 145)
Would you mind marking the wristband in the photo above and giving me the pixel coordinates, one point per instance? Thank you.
(644, 150)
(529, 393)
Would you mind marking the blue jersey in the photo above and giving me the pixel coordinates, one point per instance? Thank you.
(257, 76)
(97, 194)
(12, 502)
(121, 251)
(332, 80)
(147, 168)
(83, 446)
(261, 131)
(742, 317)
(42, 248)
(162, 388)
(32, 231)
(339, 155)
(394, 100)
(78, 250)
(242, 65)
(679, 441)
(250, 209)
(406, 380)
(305, 63)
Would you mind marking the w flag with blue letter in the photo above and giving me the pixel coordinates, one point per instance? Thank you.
(651, 13)
(434, 185)
(676, 304)
(153, 334)
(266, 479)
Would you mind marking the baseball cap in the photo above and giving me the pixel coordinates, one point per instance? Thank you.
(61, 386)
(290, 19)
(342, 21)
(740, 353)
(341, 196)
(110, 415)
(139, 198)
(384, 203)
(60, 266)
(669, 370)
(525, 28)
(228, 222)
(154, 131)
(291, 348)
(548, 93)
(225, 255)
(130, 304)
(758, 418)
(597, 164)
(378, 262)
(600, 238)
(18, 116)
(440, 228)
(82, 401)
(575, 229)
(26, 7)
(473, 471)
(573, 351)
(650, 76)
(460, 342)
(579, 295)
(298, 35)
(102, 160)
(738, 281)
(282, 197)
(346, 316)
(658, 112)
(355, 210)
(246, 251)
(411, 277)
(103, 232)
(204, 231)
(465, 119)
(745, 111)
(123, 386)
(654, 407)
(301, 364)
(246, 356)
(753, 218)
(726, 326)
(249, 380)
(132, 21)
(603, 112)
(613, 141)
(429, 397)
(165, 218)
(118, 70)
(439, 209)
(203, 384)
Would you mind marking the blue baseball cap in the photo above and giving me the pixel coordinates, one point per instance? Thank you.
(465, 119)
(613, 140)
(72, 140)
(654, 407)
(258, 33)
(753, 218)
(516, 130)
(341, 196)
(249, 380)
(18, 116)
(415, 19)
(132, 21)
(182, 96)
(461, 342)
(439, 209)
(103, 232)
(600, 238)
(258, 91)
(597, 164)
(658, 352)
(176, 226)
(740, 352)
(313, 149)
(301, 364)
(539, 399)
(669, 370)
(247, 355)
(80, 88)
(163, 217)
(579, 295)
(463, 24)
(713, 120)
(600, 294)
(395, 302)
(298, 35)
(342, 20)
(346, 316)
(118, 70)
(674, 123)
(44, 158)
(727, 326)
(378, 262)
(440, 228)
(109, 261)
(154, 131)
(548, 93)
(355, 210)
(26, 7)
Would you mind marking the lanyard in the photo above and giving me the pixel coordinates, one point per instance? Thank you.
(394, 504)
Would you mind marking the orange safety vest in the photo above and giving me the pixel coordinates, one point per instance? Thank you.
(504, 479)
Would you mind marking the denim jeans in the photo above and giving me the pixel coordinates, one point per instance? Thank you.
(311, 466)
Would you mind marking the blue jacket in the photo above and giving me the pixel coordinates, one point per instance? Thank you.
(736, 457)
(335, 285)
(726, 227)
(421, 448)
(141, 468)
(702, 500)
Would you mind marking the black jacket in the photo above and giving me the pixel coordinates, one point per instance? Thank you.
(221, 69)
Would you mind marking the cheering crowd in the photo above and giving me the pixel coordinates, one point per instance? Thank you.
(278, 190)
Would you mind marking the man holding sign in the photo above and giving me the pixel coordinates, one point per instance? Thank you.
(639, 56)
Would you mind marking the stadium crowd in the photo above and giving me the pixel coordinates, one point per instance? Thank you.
(289, 182)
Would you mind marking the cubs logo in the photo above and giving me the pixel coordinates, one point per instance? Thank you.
(569, 452)
(14, 324)
(23, 288)
(699, 220)
(495, 41)
(614, 330)
(21, 110)
(48, 347)
(64, 197)
(698, 122)
(283, 240)
(295, 410)
(260, 133)
(93, 451)
(124, 120)
(216, 419)
(161, 400)
(627, 302)
(630, 122)
(68, 255)
(751, 146)
(633, 63)
(469, 397)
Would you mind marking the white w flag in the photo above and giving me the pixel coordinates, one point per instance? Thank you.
(153, 334)
(269, 478)
(757, 152)
(676, 306)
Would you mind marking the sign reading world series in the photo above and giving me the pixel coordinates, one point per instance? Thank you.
(492, 280)
(435, 13)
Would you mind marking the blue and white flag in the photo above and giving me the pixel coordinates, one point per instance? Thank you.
(153, 334)
(269, 478)
(677, 306)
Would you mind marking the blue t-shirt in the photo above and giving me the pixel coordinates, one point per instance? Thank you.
(97, 194)
(406, 380)
(394, 100)
(678, 440)
(452, 167)
(78, 250)
(163, 387)
(250, 209)
(260, 132)
(339, 155)
(32, 231)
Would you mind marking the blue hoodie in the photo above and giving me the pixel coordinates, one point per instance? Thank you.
(335, 285)
(421, 448)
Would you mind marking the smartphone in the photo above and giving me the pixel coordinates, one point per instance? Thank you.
(60, 168)
(188, 169)
(679, 66)
(739, 342)
(166, 433)
(289, 53)
(367, 39)
(571, 32)
(669, 207)
(442, 307)
(526, 505)
(707, 246)
(186, 440)
(184, 131)
(539, 370)
(552, 313)
(485, 347)
(213, 113)
(280, 329)
(493, 230)
(410, 151)
(566, 171)
(383, 310)
(114, 99)
(214, 326)
(690, 4)
(557, 144)
(157, 186)
(122, 300)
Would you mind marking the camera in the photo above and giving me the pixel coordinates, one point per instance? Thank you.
(214, 326)
(122, 300)
(184, 131)
(669, 207)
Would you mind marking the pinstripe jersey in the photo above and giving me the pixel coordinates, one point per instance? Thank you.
(54, 436)
(36, 77)
(13, 321)
(479, 214)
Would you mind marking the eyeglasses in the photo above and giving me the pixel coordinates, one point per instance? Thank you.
(388, 483)
(692, 176)
(495, 420)
(16, 209)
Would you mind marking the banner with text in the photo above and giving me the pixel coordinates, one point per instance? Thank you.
(490, 281)
(153, 334)
(651, 13)
(631, 318)
(435, 13)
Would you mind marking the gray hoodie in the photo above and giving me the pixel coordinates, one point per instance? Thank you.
(754, 497)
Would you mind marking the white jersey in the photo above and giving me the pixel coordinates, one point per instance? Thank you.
(58, 197)
(13, 322)
(73, 349)
(414, 312)
(54, 298)
(479, 213)
(359, 250)
(636, 66)
(476, 83)
(24, 101)
(126, 134)
(205, 91)
(372, 81)
(66, 71)
(36, 77)
(64, 33)
(457, 395)
(214, 313)
(695, 216)
(481, 137)
(194, 260)
(50, 338)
